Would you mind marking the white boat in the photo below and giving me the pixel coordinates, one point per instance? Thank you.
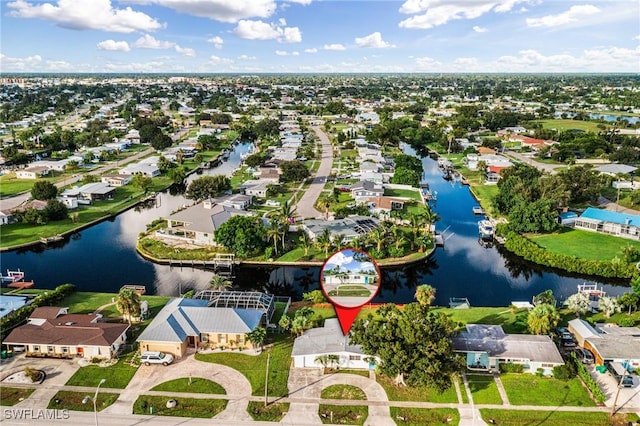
(12, 276)
(485, 229)
(478, 210)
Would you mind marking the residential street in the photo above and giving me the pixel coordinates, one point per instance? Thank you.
(304, 208)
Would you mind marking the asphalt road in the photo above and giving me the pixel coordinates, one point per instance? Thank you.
(304, 208)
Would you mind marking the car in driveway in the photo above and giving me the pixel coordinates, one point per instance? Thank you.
(152, 357)
(584, 356)
(622, 376)
(567, 340)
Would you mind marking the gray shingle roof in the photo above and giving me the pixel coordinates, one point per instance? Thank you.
(326, 340)
(190, 317)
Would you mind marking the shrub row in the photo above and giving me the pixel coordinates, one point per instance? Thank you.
(510, 367)
(49, 298)
(531, 251)
(596, 392)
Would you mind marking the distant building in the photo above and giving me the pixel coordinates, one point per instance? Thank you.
(608, 222)
(32, 172)
(608, 342)
(350, 227)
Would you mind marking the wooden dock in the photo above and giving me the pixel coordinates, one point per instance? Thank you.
(140, 289)
(21, 285)
(49, 240)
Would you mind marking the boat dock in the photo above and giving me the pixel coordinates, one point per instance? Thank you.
(140, 289)
(49, 240)
(459, 303)
(478, 210)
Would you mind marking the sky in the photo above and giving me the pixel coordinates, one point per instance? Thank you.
(319, 36)
(344, 259)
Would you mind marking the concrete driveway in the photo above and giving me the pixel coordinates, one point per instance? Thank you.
(628, 397)
(58, 371)
(235, 384)
(308, 383)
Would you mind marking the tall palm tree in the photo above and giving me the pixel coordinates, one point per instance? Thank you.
(378, 236)
(257, 336)
(323, 241)
(398, 236)
(128, 303)
(219, 282)
(306, 242)
(284, 216)
(425, 294)
(274, 231)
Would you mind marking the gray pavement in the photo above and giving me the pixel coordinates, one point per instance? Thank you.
(304, 208)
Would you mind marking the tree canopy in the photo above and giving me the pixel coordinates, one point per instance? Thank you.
(413, 344)
(244, 235)
(207, 186)
(44, 190)
(542, 319)
(294, 171)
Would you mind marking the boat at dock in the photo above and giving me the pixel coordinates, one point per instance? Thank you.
(486, 229)
(478, 210)
(12, 276)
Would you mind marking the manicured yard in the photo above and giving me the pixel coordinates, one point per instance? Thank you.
(343, 392)
(273, 412)
(405, 193)
(68, 400)
(568, 124)
(84, 302)
(485, 195)
(511, 323)
(584, 244)
(526, 389)
(343, 414)
(545, 418)
(11, 396)
(254, 367)
(411, 393)
(197, 385)
(483, 389)
(424, 416)
(117, 376)
(363, 373)
(186, 407)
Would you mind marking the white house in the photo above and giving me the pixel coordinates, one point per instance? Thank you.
(32, 172)
(608, 222)
(317, 343)
(363, 190)
(485, 347)
(608, 342)
(256, 188)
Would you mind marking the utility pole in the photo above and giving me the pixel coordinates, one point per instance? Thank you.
(266, 380)
(615, 400)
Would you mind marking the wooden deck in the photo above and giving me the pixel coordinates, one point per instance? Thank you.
(20, 285)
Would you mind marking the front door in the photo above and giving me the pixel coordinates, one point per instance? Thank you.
(80, 351)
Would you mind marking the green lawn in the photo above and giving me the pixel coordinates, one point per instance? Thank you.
(343, 414)
(511, 323)
(117, 376)
(353, 291)
(11, 185)
(11, 396)
(363, 373)
(197, 385)
(583, 244)
(186, 407)
(483, 389)
(254, 367)
(525, 389)
(343, 392)
(67, 400)
(405, 416)
(412, 393)
(84, 302)
(406, 193)
(545, 418)
(485, 195)
(273, 412)
(568, 124)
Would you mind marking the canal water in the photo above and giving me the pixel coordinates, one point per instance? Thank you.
(103, 258)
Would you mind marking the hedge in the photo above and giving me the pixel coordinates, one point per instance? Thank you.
(531, 251)
(49, 298)
(593, 386)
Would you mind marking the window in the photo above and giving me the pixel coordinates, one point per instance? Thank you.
(65, 350)
(547, 365)
(49, 348)
(222, 338)
(204, 338)
(36, 348)
(354, 358)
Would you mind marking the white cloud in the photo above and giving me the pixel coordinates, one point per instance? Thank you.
(479, 29)
(427, 63)
(466, 62)
(59, 66)
(637, 37)
(439, 12)
(216, 41)
(339, 259)
(281, 53)
(84, 15)
(335, 46)
(135, 66)
(122, 46)
(572, 15)
(247, 58)
(312, 50)
(219, 10)
(186, 51)
(373, 40)
(302, 2)
(216, 60)
(295, 53)
(149, 42)
(19, 64)
(260, 30)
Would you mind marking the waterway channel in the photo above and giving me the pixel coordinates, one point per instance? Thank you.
(103, 258)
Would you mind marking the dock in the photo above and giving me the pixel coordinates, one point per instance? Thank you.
(49, 240)
(459, 303)
(140, 289)
(21, 285)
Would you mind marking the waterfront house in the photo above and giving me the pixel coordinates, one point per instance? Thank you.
(384, 204)
(316, 345)
(349, 227)
(256, 187)
(192, 323)
(5, 217)
(608, 222)
(116, 180)
(363, 190)
(485, 347)
(90, 192)
(608, 342)
(146, 167)
(53, 332)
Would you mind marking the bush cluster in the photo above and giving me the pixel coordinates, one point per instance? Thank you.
(510, 367)
(529, 250)
(50, 298)
(597, 393)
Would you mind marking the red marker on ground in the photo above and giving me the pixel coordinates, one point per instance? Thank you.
(349, 278)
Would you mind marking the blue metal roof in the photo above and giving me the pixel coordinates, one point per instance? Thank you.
(612, 217)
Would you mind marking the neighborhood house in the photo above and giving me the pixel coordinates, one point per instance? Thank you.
(608, 342)
(619, 224)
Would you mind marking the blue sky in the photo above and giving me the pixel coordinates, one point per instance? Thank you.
(252, 36)
(344, 259)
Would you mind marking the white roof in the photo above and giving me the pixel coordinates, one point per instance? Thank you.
(324, 340)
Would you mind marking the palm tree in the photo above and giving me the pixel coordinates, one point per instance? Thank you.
(305, 241)
(128, 303)
(257, 336)
(323, 241)
(274, 232)
(339, 241)
(284, 216)
(425, 294)
(398, 236)
(378, 236)
(219, 282)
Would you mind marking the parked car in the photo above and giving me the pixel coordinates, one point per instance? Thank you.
(617, 370)
(566, 340)
(585, 356)
(150, 357)
(561, 330)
